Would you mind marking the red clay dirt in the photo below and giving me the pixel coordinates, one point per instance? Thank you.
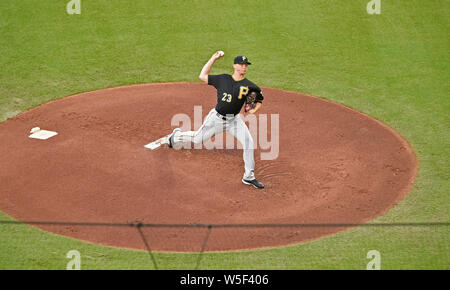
(335, 166)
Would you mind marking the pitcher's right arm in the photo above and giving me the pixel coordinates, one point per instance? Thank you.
(207, 67)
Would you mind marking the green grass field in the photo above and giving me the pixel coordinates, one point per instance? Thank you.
(393, 66)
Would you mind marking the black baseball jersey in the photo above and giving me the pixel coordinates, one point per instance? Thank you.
(231, 94)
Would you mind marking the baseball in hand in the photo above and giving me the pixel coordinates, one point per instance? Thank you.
(221, 53)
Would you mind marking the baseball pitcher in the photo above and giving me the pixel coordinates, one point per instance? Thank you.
(233, 91)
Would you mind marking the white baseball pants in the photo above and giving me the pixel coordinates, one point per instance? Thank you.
(215, 124)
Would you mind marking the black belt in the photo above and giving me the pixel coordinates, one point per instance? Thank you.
(225, 118)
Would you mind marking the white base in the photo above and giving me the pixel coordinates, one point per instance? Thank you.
(43, 135)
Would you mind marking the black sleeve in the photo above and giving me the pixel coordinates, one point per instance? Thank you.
(260, 97)
(214, 80)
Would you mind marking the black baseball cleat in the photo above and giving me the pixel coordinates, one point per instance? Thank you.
(254, 182)
(172, 136)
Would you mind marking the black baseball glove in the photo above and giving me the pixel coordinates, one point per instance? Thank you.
(250, 101)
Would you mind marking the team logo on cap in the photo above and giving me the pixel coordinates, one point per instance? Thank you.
(243, 58)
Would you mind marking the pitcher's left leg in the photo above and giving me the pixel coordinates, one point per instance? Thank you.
(241, 132)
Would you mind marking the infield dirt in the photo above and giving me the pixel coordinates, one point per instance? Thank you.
(335, 166)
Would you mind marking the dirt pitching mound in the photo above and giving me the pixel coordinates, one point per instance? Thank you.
(334, 166)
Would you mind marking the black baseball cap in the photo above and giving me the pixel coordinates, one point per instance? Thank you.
(241, 59)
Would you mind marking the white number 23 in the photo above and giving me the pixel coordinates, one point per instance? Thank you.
(227, 97)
